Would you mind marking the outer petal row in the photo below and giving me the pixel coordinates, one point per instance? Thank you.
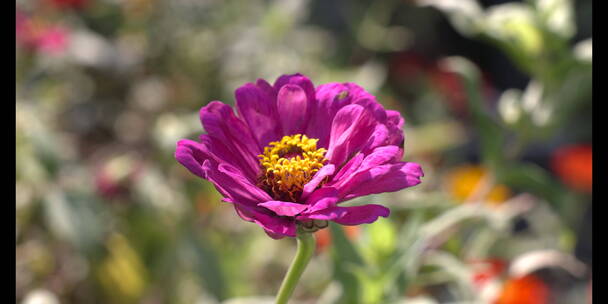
(376, 173)
(220, 123)
(235, 188)
(274, 111)
(322, 206)
(256, 105)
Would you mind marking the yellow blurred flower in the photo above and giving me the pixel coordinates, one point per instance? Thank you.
(122, 274)
(467, 181)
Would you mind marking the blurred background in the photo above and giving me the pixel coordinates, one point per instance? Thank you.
(497, 101)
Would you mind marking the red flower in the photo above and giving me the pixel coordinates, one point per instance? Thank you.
(525, 290)
(412, 71)
(573, 166)
(487, 270)
(409, 66)
(452, 88)
(323, 236)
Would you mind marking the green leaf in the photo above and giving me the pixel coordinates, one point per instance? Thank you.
(345, 257)
(531, 177)
(382, 241)
(206, 263)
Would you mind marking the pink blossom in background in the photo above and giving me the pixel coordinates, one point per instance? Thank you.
(40, 36)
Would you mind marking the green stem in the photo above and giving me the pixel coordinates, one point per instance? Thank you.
(306, 247)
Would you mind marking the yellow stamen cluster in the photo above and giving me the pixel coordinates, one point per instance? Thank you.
(289, 164)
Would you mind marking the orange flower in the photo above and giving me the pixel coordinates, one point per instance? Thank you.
(323, 236)
(463, 181)
(573, 165)
(525, 290)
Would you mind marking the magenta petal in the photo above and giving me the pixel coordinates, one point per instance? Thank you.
(220, 122)
(330, 98)
(292, 105)
(358, 164)
(274, 226)
(348, 215)
(246, 189)
(350, 131)
(394, 118)
(191, 156)
(321, 194)
(369, 103)
(324, 203)
(259, 110)
(365, 214)
(394, 122)
(383, 178)
(324, 172)
(284, 208)
(232, 184)
(217, 149)
(322, 198)
(299, 80)
(380, 156)
(327, 214)
(379, 138)
(274, 235)
(351, 166)
(266, 88)
(197, 158)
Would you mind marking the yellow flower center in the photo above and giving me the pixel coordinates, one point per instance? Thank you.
(289, 164)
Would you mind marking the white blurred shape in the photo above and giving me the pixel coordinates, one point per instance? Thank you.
(150, 94)
(459, 65)
(535, 260)
(130, 127)
(465, 15)
(531, 98)
(583, 50)
(40, 296)
(542, 115)
(89, 48)
(516, 24)
(508, 106)
(252, 300)
(294, 9)
(154, 190)
(490, 291)
(371, 75)
(558, 16)
(170, 128)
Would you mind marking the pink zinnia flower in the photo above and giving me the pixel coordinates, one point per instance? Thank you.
(293, 153)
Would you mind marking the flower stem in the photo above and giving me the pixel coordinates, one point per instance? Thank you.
(306, 246)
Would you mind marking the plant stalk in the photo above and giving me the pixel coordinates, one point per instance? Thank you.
(306, 247)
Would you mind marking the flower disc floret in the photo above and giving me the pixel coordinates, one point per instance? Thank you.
(288, 164)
